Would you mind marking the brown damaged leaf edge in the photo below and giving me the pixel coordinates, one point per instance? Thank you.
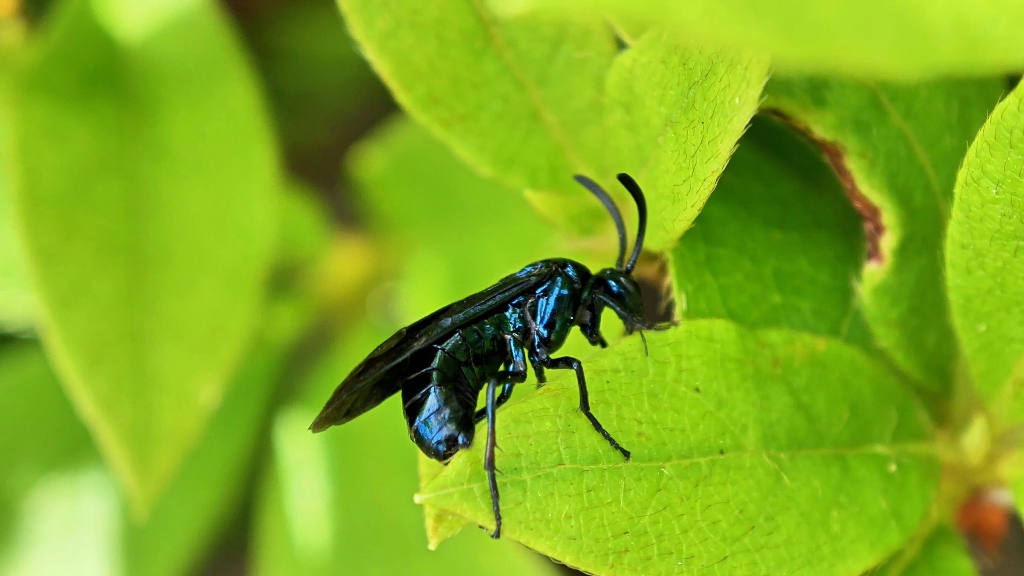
(870, 215)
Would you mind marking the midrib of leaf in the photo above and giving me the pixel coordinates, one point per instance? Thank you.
(916, 147)
(135, 282)
(918, 448)
(532, 92)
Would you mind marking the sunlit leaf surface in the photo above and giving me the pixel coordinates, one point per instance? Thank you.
(742, 459)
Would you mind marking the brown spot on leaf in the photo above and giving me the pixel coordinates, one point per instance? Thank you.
(870, 215)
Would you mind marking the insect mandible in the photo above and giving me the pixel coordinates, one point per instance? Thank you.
(442, 362)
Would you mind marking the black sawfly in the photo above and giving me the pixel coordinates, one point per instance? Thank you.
(442, 362)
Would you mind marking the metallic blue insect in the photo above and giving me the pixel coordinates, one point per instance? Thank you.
(442, 362)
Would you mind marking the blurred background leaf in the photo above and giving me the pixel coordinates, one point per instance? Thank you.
(942, 552)
(909, 40)
(15, 294)
(50, 464)
(152, 164)
(322, 92)
(409, 184)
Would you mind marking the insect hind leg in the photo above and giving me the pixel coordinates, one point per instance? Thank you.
(504, 396)
(567, 363)
(492, 479)
(516, 374)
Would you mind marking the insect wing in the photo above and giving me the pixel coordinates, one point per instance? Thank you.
(382, 373)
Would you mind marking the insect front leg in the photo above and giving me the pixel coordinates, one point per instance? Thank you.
(568, 362)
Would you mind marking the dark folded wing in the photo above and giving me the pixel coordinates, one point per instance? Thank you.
(382, 373)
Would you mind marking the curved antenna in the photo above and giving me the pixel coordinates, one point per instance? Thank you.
(641, 210)
(613, 210)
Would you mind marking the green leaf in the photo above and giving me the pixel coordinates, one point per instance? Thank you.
(742, 459)
(896, 150)
(675, 113)
(210, 485)
(529, 102)
(777, 245)
(985, 259)
(341, 498)
(147, 196)
(873, 39)
(15, 293)
(520, 101)
(941, 554)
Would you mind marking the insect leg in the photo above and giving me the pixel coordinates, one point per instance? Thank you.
(504, 396)
(492, 409)
(531, 341)
(568, 362)
(516, 374)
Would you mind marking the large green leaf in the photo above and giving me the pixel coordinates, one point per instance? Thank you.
(675, 113)
(147, 200)
(873, 39)
(519, 100)
(985, 258)
(742, 459)
(342, 498)
(777, 245)
(529, 102)
(896, 150)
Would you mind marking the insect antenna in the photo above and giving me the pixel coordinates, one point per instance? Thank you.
(641, 209)
(613, 210)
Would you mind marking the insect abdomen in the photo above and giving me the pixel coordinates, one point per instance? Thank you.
(440, 398)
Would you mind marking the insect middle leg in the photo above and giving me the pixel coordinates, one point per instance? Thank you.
(516, 374)
(568, 362)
